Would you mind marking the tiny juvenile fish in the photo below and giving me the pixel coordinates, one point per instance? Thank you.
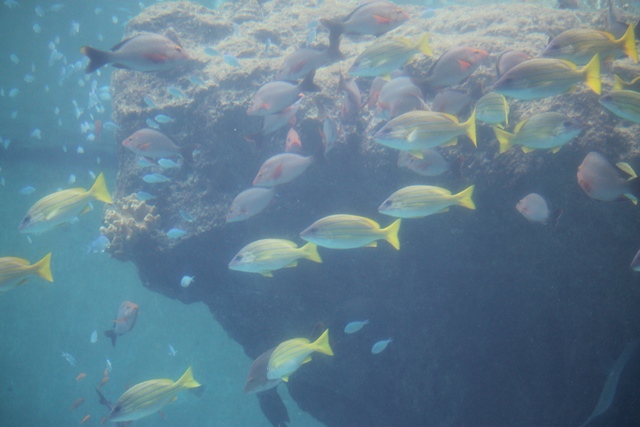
(163, 118)
(149, 101)
(197, 81)
(380, 346)
(28, 190)
(77, 403)
(168, 164)
(98, 245)
(172, 351)
(544, 131)
(289, 355)
(186, 281)
(266, 255)
(353, 327)
(69, 358)
(124, 322)
(176, 233)
(94, 337)
(249, 203)
(15, 272)
(281, 169)
(63, 207)
(152, 124)
(144, 196)
(143, 52)
(155, 178)
(185, 215)
(144, 162)
(211, 51)
(418, 201)
(231, 60)
(350, 231)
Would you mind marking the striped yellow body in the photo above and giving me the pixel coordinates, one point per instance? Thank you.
(15, 272)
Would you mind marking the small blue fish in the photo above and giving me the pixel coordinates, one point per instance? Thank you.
(14, 92)
(353, 327)
(186, 216)
(152, 124)
(98, 245)
(186, 281)
(14, 58)
(176, 92)
(36, 28)
(155, 178)
(176, 233)
(172, 351)
(150, 102)
(109, 366)
(380, 346)
(162, 118)
(197, 81)
(110, 126)
(232, 60)
(37, 134)
(311, 37)
(144, 196)
(168, 164)
(144, 162)
(69, 358)
(75, 28)
(27, 190)
(211, 51)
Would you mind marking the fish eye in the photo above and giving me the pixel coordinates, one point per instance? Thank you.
(239, 257)
(26, 220)
(386, 203)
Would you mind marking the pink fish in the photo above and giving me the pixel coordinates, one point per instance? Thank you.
(143, 52)
(304, 60)
(453, 67)
(292, 143)
(125, 321)
(394, 96)
(374, 18)
(274, 122)
(250, 203)
(509, 59)
(535, 208)
(257, 380)
(352, 100)
(603, 181)
(151, 143)
(374, 91)
(274, 97)
(281, 169)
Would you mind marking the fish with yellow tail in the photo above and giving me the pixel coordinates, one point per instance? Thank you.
(545, 131)
(63, 207)
(291, 354)
(385, 56)
(623, 103)
(266, 255)
(619, 84)
(418, 201)
(147, 397)
(544, 77)
(418, 130)
(349, 232)
(15, 272)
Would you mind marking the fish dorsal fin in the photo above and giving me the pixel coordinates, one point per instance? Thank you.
(123, 42)
(172, 35)
(626, 168)
(519, 126)
(306, 360)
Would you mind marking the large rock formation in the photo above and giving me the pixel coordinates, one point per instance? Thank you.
(495, 321)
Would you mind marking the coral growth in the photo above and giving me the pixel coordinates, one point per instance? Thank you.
(125, 223)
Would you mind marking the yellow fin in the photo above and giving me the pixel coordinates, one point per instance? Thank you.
(306, 360)
(626, 168)
(631, 197)
(618, 83)
(285, 379)
(592, 74)
(464, 198)
(266, 273)
(454, 141)
(554, 150)
(293, 264)
(417, 154)
(470, 127)
(310, 252)
(505, 139)
(86, 209)
(628, 41)
(373, 244)
(43, 268)
(187, 380)
(527, 149)
(99, 190)
(321, 345)
(391, 234)
(423, 45)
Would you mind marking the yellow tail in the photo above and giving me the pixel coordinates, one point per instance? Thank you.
(99, 190)
(310, 252)
(592, 74)
(423, 45)
(321, 345)
(187, 381)
(628, 42)
(470, 128)
(505, 139)
(464, 198)
(391, 234)
(43, 268)
(618, 83)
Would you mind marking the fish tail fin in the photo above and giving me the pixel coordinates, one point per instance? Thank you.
(109, 333)
(103, 400)
(628, 42)
(423, 45)
(618, 83)
(464, 198)
(99, 190)
(307, 85)
(310, 252)
(335, 28)
(334, 44)
(43, 268)
(470, 127)
(505, 139)
(187, 380)
(391, 234)
(321, 345)
(592, 74)
(97, 58)
(187, 152)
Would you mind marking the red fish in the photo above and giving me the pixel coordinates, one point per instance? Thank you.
(125, 321)
(293, 144)
(143, 52)
(257, 380)
(80, 376)
(374, 18)
(154, 144)
(77, 403)
(281, 169)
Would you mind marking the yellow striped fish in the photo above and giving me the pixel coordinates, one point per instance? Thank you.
(623, 103)
(385, 56)
(418, 201)
(63, 207)
(544, 131)
(350, 231)
(264, 256)
(291, 354)
(15, 272)
(492, 108)
(149, 397)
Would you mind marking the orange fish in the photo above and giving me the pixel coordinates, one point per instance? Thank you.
(103, 381)
(84, 420)
(80, 376)
(103, 420)
(293, 144)
(77, 403)
(125, 321)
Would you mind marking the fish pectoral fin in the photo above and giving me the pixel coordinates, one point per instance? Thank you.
(527, 149)
(626, 168)
(443, 210)
(307, 360)
(293, 264)
(373, 244)
(86, 209)
(51, 214)
(285, 379)
(454, 141)
(173, 399)
(554, 150)
(22, 282)
(267, 274)
(631, 197)
(464, 64)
